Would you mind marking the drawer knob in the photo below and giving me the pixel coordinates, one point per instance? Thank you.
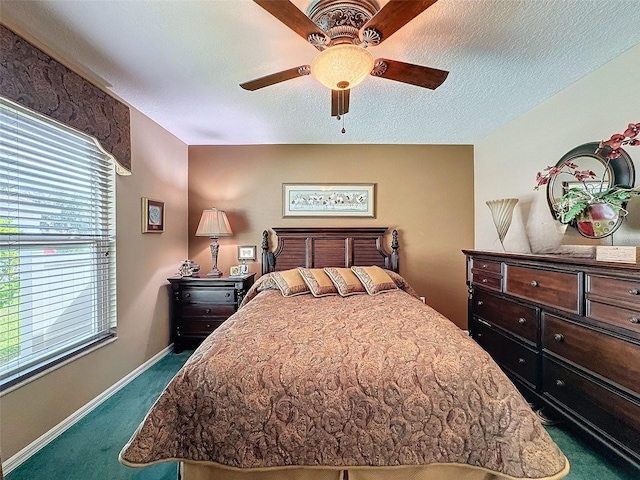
(558, 337)
(634, 320)
(480, 303)
(484, 280)
(484, 265)
(208, 310)
(559, 383)
(634, 291)
(187, 294)
(228, 294)
(522, 321)
(534, 283)
(208, 325)
(522, 361)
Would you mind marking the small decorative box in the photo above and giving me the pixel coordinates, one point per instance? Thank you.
(618, 254)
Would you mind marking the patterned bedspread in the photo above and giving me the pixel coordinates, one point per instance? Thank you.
(356, 381)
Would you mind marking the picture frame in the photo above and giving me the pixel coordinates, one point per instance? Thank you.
(235, 271)
(152, 215)
(328, 200)
(246, 252)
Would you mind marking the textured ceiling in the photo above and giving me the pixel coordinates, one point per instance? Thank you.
(180, 62)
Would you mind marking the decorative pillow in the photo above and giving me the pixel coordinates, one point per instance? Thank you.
(290, 282)
(345, 281)
(318, 282)
(374, 279)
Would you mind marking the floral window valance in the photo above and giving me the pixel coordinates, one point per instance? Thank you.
(34, 79)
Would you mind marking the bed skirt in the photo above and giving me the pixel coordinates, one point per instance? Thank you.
(203, 471)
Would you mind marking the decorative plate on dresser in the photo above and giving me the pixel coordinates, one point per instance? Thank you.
(567, 332)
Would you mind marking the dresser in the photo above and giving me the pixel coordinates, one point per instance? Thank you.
(199, 305)
(567, 332)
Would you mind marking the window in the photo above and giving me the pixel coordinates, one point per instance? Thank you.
(57, 243)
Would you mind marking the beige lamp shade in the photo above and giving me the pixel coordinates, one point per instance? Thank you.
(342, 67)
(213, 223)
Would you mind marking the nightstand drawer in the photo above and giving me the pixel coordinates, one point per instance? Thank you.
(553, 288)
(199, 327)
(207, 295)
(204, 310)
(611, 357)
(509, 354)
(518, 319)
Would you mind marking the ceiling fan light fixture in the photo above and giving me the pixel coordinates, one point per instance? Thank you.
(342, 66)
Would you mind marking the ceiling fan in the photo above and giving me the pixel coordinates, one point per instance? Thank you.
(342, 30)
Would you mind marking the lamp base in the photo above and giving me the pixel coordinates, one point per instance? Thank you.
(214, 273)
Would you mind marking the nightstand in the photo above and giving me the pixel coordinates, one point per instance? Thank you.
(201, 304)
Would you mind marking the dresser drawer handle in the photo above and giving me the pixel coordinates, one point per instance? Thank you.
(484, 265)
(634, 320)
(228, 294)
(522, 321)
(208, 325)
(634, 291)
(484, 280)
(187, 295)
(208, 310)
(558, 337)
(479, 303)
(559, 383)
(534, 283)
(522, 361)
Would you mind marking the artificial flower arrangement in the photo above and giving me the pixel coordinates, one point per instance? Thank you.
(576, 200)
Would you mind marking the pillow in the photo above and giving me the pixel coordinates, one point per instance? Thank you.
(345, 281)
(374, 279)
(290, 282)
(318, 282)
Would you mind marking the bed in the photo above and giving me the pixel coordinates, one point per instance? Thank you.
(344, 384)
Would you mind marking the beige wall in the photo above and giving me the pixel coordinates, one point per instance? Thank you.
(506, 162)
(143, 264)
(425, 191)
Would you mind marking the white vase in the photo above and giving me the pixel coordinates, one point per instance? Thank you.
(502, 213)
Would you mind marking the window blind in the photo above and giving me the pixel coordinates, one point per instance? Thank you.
(57, 243)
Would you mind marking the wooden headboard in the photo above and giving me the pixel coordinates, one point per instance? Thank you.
(328, 247)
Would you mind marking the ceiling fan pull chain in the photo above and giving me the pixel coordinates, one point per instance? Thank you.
(343, 130)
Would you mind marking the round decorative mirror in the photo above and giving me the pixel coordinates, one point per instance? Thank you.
(597, 222)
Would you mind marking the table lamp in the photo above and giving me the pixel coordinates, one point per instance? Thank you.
(214, 224)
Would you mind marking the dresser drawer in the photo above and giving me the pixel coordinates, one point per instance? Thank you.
(199, 327)
(509, 354)
(486, 280)
(610, 357)
(618, 416)
(207, 295)
(613, 315)
(486, 266)
(208, 311)
(621, 291)
(514, 317)
(553, 288)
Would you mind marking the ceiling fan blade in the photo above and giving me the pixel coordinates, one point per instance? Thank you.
(292, 17)
(393, 16)
(339, 102)
(409, 73)
(276, 78)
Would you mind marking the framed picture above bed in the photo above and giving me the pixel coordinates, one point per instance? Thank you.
(328, 200)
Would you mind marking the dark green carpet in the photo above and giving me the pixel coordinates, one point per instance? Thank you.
(89, 450)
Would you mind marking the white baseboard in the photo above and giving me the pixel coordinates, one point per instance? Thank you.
(23, 455)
